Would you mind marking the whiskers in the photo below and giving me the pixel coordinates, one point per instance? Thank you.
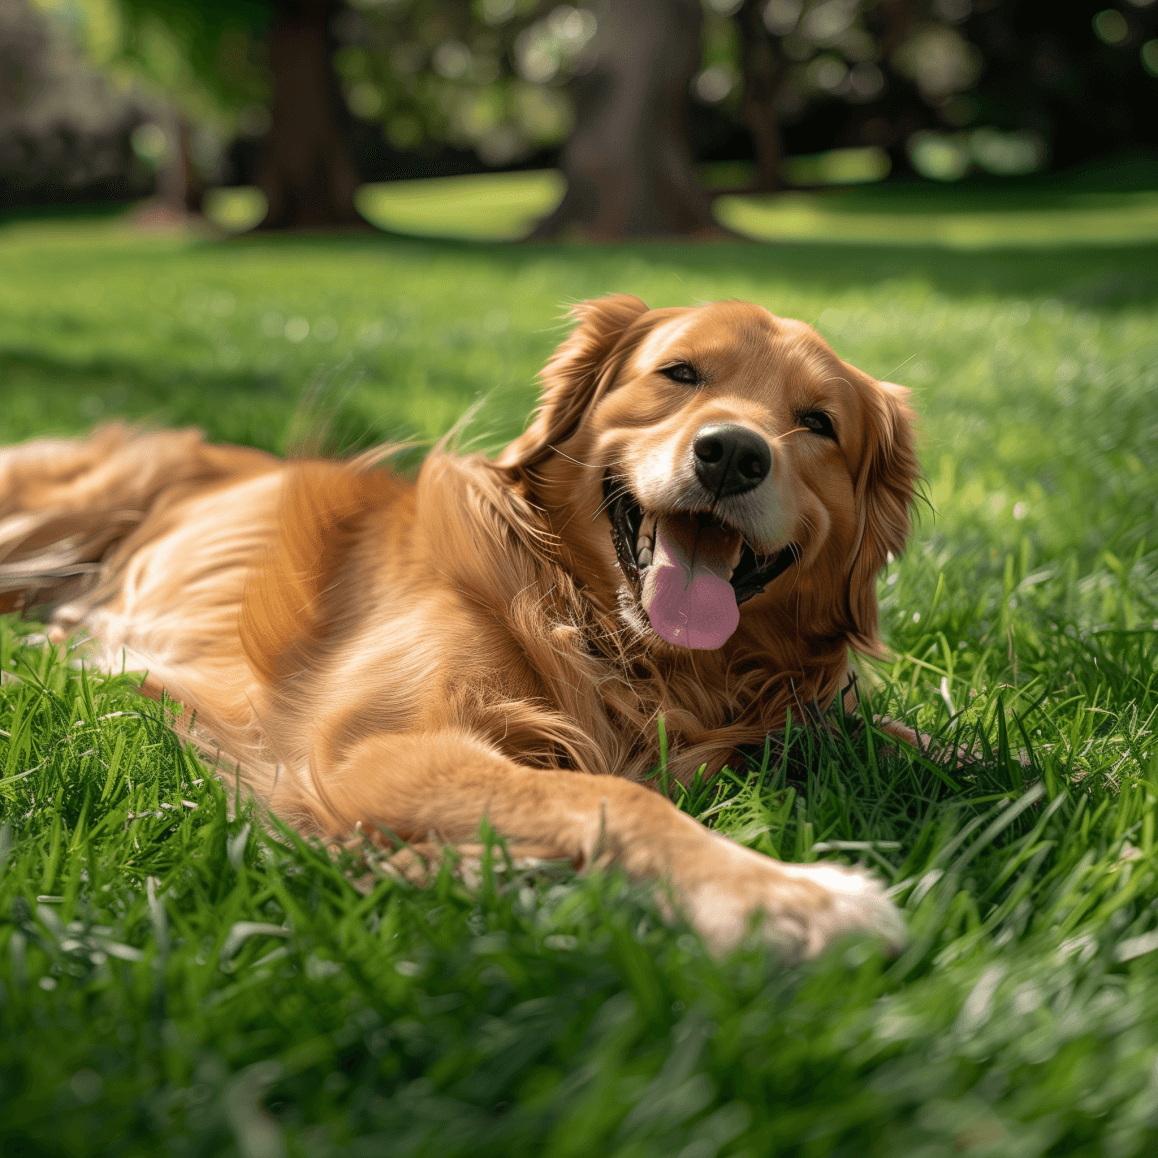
(616, 492)
(588, 465)
(797, 557)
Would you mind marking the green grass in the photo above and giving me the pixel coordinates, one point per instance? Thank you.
(491, 207)
(1111, 204)
(1092, 219)
(174, 981)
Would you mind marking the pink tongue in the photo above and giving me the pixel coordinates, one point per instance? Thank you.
(687, 596)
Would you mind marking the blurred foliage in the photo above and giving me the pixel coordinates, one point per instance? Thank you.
(204, 64)
(64, 127)
(1001, 86)
(206, 57)
(488, 75)
(1004, 87)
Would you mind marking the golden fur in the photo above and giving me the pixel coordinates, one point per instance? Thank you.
(413, 657)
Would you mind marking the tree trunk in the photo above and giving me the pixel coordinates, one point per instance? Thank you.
(628, 163)
(763, 70)
(305, 173)
(179, 189)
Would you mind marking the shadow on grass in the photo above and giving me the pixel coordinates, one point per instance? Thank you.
(1093, 276)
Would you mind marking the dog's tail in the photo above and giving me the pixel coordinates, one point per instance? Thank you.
(71, 509)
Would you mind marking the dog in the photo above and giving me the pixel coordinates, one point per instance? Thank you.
(689, 530)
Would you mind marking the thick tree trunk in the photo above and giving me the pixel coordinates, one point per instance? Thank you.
(628, 163)
(763, 71)
(305, 173)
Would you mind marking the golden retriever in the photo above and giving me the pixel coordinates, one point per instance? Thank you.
(690, 529)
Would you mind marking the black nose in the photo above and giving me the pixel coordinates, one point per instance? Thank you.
(731, 459)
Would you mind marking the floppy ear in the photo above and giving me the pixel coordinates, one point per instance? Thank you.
(884, 493)
(575, 376)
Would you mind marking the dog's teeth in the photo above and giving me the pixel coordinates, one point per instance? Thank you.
(645, 540)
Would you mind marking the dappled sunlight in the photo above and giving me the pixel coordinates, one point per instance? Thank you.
(494, 207)
(801, 216)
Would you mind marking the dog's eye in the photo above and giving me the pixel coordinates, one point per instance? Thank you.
(818, 422)
(683, 373)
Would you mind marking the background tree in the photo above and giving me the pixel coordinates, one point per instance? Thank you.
(278, 53)
(763, 65)
(308, 97)
(628, 163)
(375, 89)
(511, 79)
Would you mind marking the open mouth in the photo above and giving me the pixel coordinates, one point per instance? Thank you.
(691, 570)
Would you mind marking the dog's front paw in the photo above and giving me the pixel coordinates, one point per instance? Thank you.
(800, 908)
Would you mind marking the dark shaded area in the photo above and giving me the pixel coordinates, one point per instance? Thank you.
(64, 130)
(1045, 68)
(305, 172)
(1040, 67)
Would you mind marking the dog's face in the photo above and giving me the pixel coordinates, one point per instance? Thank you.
(716, 462)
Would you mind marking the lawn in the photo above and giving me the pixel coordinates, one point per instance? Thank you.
(174, 980)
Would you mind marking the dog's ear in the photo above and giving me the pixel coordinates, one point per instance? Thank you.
(578, 372)
(884, 494)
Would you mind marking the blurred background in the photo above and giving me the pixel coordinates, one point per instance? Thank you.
(606, 119)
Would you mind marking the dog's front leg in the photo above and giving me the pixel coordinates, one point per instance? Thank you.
(447, 782)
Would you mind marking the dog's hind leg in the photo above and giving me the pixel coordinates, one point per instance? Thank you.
(446, 783)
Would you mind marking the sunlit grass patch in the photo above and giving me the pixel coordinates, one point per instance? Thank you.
(1131, 217)
(236, 209)
(486, 207)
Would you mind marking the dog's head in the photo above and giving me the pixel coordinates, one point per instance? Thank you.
(719, 472)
